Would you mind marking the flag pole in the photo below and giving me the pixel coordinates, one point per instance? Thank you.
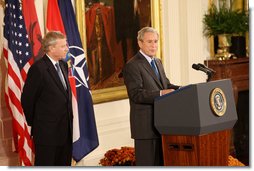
(81, 21)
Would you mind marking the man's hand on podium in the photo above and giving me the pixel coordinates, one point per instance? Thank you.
(163, 92)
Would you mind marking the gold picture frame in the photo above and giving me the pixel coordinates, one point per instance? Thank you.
(119, 92)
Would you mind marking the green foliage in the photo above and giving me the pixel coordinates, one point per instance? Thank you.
(225, 21)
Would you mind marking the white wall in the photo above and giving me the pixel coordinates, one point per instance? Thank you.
(113, 128)
(184, 43)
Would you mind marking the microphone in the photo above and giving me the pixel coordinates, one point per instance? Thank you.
(201, 67)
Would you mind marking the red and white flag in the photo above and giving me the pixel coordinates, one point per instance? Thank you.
(85, 137)
(54, 19)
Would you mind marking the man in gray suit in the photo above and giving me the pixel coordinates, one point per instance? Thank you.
(145, 79)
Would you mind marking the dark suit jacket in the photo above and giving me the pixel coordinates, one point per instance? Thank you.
(46, 104)
(143, 87)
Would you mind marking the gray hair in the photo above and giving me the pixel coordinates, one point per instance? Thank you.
(50, 39)
(145, 30)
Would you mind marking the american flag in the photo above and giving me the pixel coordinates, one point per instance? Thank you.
(18, 58)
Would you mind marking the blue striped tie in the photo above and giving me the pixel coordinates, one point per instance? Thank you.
(60, 74)
(155, 68)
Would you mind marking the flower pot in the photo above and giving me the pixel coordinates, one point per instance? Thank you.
(238, 46)
(224, 40)
(224, 43)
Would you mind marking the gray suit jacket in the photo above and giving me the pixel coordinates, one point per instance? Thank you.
(143, 87)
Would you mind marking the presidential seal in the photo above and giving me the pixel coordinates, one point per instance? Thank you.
(218, 102)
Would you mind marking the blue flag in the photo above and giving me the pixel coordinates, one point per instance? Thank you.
(88, 137)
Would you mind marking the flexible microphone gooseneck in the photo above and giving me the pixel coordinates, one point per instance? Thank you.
(206, 67)
(200, 67)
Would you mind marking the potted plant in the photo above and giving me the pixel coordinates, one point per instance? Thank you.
(238, 40)
(119, 157)
(224, 23)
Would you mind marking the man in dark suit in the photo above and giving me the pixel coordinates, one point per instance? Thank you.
(46, 101)
(145, 80)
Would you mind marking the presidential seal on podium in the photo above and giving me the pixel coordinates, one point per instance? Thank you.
(218, 102)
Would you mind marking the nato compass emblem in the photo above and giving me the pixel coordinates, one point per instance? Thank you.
(77, 64)
(218, 102)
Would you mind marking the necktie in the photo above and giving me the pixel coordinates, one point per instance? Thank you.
(60, 74)
(155, 68)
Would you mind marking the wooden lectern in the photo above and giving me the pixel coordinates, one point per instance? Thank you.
(195, 123)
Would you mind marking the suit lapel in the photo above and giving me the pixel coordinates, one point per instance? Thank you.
(160, 68)
(149, 69)
(53, 73)
(65, 76)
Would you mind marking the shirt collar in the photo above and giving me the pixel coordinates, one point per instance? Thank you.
(148, 58)
(52, 60)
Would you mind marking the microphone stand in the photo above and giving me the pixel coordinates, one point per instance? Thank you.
(200, 67)
(209, 76)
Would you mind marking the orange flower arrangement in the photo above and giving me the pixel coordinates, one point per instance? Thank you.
(234, 162)
(126, 157)
(119, 157)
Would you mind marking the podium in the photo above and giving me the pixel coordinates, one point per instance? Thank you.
(195, 123)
